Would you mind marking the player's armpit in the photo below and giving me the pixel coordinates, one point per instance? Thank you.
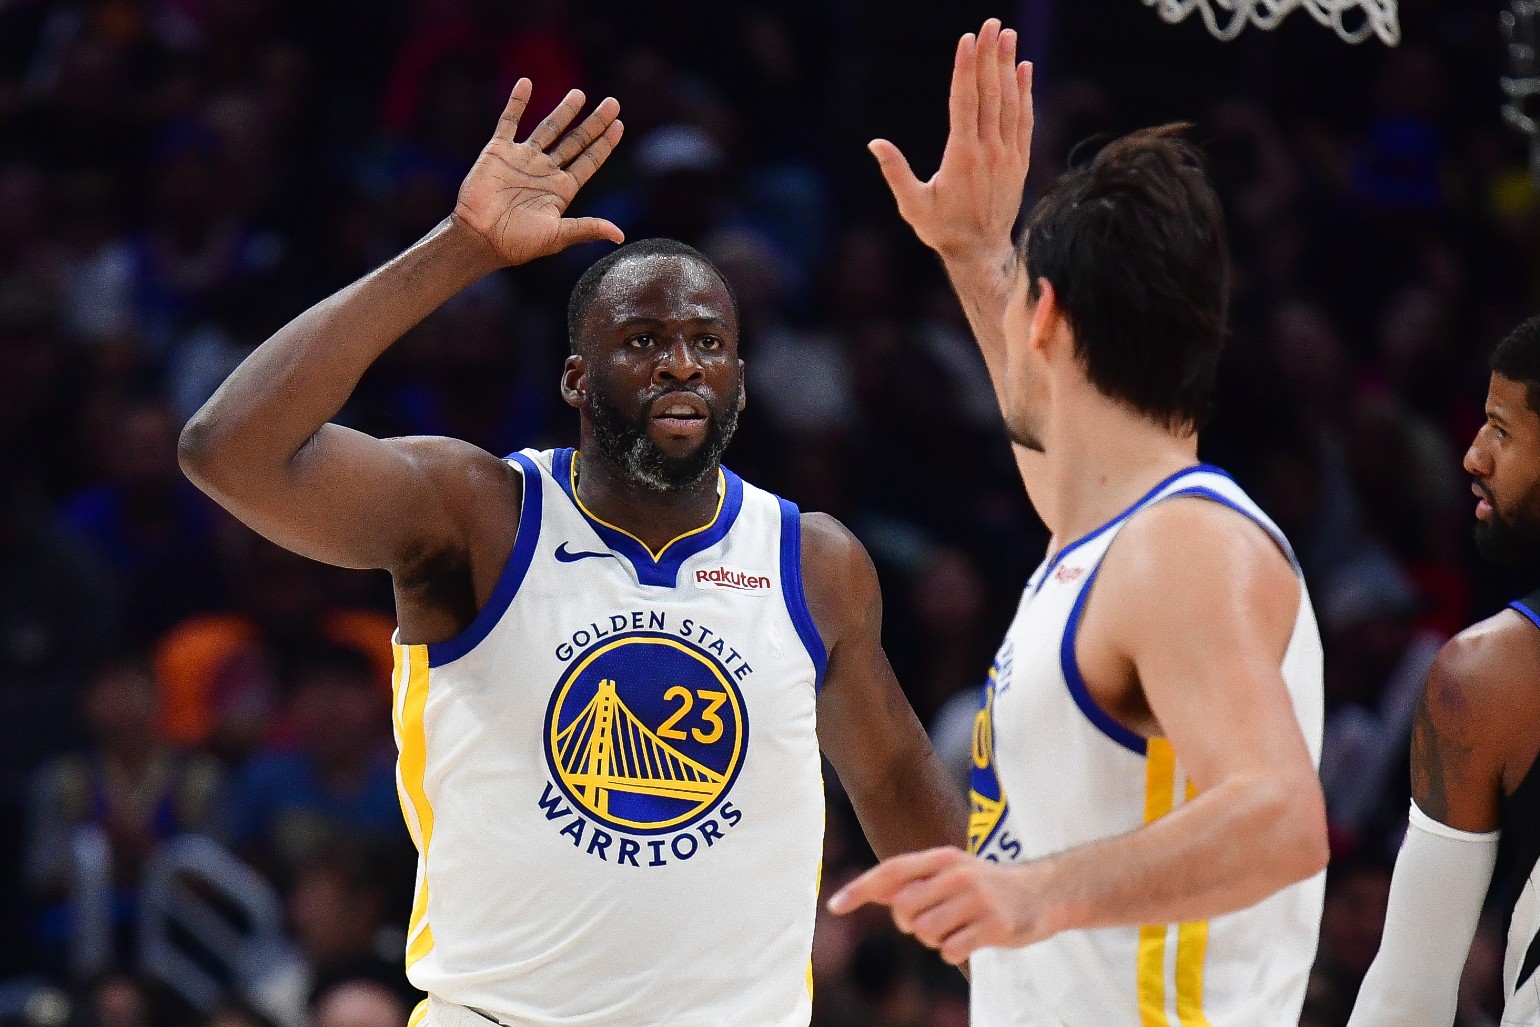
(1460, 736)
(901, 793)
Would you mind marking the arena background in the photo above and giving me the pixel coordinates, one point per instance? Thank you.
(179, 177)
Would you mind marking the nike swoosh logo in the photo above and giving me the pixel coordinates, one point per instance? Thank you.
(565, 555)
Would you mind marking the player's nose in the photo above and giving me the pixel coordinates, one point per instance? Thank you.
(678, 361)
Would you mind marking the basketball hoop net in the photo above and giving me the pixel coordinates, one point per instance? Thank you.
(1353, 20)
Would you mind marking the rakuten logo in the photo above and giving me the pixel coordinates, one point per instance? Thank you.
(729, 577)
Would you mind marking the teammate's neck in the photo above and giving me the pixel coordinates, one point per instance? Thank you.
(653, 517)
(1109, 458)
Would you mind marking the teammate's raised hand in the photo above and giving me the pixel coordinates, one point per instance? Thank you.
(969, 206)
(516, 195)
(953, 902)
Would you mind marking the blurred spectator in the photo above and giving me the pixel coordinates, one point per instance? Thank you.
(151, 526)
(128, 784)
(337, 781)
(359, 1004)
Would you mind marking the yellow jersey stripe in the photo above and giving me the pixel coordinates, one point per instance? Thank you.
(411, 770)
(721, 498)
(1159, 789)
(1191, 943)
(419, 1014)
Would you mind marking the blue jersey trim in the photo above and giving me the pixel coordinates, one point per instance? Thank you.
(1099, 717)
(1525, 612)
(791, 589)
(663, 571)
(1058, 557)
(440, 653)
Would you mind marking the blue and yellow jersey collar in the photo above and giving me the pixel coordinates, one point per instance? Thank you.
(661, 567)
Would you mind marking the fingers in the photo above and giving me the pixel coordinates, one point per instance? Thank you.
(896, 172)
(555, 123)
(987, 72)
(958, 947)
(883, 881)
(589, 129)
(508, 122)
(581, 230)
(595, 154)
(1010, 90)
(1024, 116)
(963, 101)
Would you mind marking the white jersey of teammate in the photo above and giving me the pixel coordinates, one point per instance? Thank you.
(1052, 771)
(613, 778)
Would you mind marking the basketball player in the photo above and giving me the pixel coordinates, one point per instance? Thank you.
(614, 666)
(1148, 828)
(1475, 785)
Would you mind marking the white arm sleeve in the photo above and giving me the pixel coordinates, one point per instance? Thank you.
(1440, 881)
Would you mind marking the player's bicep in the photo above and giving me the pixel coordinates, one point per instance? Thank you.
(1455, 780)
(351, 500)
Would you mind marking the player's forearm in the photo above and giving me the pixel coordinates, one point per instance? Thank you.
(299, 379)
(982, 282)
(1229, 848)
(913, 807)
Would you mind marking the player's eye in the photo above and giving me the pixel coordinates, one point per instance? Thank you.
(710, 342)
(640, 341)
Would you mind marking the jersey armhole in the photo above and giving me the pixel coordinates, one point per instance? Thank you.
(525, 539)
(792, 591)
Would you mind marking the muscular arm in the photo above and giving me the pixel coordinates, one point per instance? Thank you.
(1473, 740)
(901, 793)
(263, 445)
(968, 209)
(1216, 694)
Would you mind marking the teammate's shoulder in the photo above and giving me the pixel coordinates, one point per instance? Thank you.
(825, 536)
(1198, 535)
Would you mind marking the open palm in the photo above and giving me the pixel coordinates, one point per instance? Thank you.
(517, 193)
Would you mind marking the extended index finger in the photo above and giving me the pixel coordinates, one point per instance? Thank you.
(886, 879)
(508, 122)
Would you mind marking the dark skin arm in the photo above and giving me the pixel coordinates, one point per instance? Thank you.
(901, 793)
(439, 514)
(1474, 739)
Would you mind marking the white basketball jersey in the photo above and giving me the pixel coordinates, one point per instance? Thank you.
(1052, 771)
(613, 778)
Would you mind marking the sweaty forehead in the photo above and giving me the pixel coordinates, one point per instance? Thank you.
(661, 288)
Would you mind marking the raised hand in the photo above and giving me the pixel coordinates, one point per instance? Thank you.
(968, 208)
(516, 195)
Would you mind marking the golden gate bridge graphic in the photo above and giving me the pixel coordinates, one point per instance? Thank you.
(607, 749)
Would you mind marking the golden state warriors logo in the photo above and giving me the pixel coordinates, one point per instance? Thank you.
(646, 732)
(987, 835)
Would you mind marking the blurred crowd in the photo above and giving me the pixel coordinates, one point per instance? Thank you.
(199, 769)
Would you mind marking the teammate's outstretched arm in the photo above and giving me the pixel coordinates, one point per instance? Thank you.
(1207, 653)
(902, 794)
(967, 210)
(1462, 739)
(262, 445)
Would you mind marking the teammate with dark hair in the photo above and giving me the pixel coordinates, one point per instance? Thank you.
(1148, 830)
(615, 667)
(1475, 783)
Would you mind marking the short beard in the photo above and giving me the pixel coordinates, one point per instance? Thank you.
(626, 446)
(1511, 542)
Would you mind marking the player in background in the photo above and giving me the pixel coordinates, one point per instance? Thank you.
(614, 667)
(1475, 785)
(1155, 711)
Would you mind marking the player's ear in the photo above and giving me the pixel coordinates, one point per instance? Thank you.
(1047, 318)
(574, 381)
(743, 388)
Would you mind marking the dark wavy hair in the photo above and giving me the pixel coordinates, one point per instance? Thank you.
(1133, 241)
